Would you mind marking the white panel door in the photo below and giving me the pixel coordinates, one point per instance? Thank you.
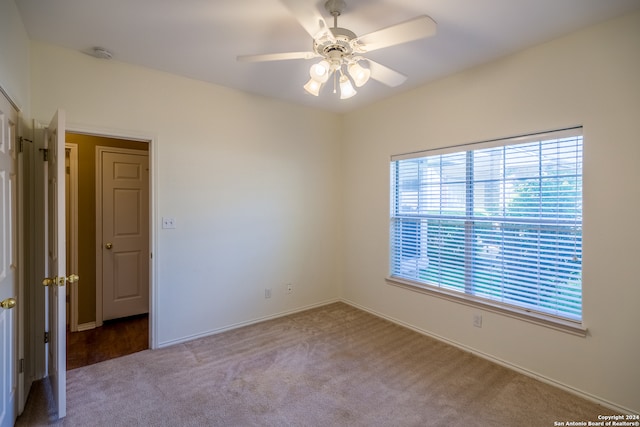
(125, 232)
(8, 267)
(56, 262)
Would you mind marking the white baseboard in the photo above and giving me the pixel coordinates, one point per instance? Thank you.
(519, 369)
(86, 326)
(241, 324)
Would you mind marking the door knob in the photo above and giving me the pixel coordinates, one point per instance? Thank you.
(53, 281)
(60, 281)
(9, 303)
(108, 245)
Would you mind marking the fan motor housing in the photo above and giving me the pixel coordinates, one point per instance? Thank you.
(339, 47)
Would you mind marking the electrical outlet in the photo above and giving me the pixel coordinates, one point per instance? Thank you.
(267, 293)
(289, 288)
(477, 320)
(168, 223)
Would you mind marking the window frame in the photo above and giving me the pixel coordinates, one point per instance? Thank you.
(565, 324)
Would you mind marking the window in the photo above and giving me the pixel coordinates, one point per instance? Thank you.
(497, 222)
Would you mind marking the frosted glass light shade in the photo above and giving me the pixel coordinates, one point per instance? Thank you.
(313, 87)
(320, 71)
(346, 88)
(359, 74)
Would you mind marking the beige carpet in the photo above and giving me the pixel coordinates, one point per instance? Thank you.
(330, 366)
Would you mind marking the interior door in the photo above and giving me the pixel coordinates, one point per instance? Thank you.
(125, 232)
(8, 260)
(56, 261)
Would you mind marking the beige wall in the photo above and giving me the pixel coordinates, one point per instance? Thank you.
(253, 184)
(590, 78)
(14, 56)
(87, 215)
(263, 192)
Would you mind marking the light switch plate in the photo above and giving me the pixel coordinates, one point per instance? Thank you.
(168, 223)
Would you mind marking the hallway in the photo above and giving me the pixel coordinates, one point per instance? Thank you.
(115, 338)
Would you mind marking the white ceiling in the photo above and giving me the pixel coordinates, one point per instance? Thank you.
(200, 39)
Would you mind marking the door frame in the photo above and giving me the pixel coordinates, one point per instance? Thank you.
(72, 230)
(99, 258)
(153, 230)
(27, 282)
(151, 139)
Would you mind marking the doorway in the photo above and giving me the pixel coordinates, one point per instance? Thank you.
(91, 337)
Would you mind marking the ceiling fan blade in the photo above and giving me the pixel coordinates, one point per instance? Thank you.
(276, 56)
(385, 75)
(309, 17)
(413, 29)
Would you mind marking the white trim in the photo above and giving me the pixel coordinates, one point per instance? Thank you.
(73, 233)
(110, 133)
(246, 323)
(86, 326)
(497, 142)
(40, 268)
(491, 358)
(152, 140)
(153, 250)
(558, 324)
(98, 234)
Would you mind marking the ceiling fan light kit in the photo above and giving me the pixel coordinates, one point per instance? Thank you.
(320, 71)
(346, 89)
(313, 87)
(359, 74)
(342, 51)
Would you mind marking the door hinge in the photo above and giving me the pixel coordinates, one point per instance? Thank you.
(46, 337)
(45, 154)
(21, 366)
(21, 141)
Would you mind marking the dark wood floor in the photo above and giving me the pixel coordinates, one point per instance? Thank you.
(113, 339)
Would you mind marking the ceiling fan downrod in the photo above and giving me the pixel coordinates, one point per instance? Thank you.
(335, 8)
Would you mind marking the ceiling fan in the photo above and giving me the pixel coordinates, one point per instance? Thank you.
(342, 51)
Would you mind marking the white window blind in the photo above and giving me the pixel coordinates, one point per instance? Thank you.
(500, 221)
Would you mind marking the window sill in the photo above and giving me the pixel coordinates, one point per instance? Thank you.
(574, 328)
